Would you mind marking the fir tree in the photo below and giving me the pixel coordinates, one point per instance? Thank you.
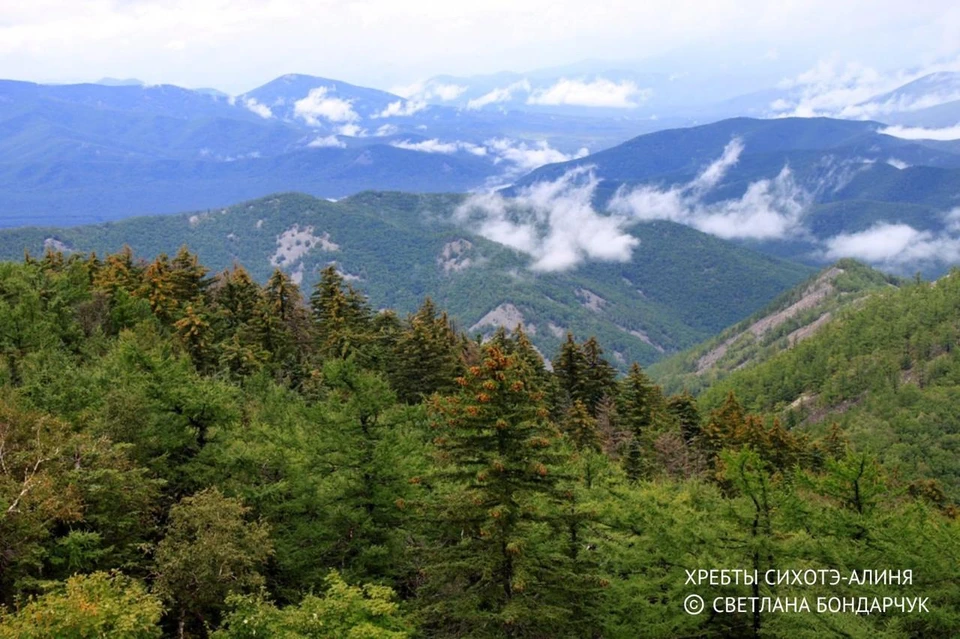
(683, 407)
(599, 376)
(498, 572)
(636, 414)
(427, 355)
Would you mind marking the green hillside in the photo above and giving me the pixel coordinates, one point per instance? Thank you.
(887, 371)
(681, 286)
(792, 317)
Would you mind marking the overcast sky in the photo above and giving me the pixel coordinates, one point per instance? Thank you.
(235, 45)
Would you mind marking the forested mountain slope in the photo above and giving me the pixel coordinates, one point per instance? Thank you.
(886, 370)
(680, 287)
(794, 316)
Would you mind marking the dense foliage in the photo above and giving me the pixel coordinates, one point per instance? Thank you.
(792, 317)
(887, 371)
(192, 455)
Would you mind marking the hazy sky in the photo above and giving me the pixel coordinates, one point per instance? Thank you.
(235, 45)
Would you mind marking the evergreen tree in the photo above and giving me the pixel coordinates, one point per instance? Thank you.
(235, 296)
(636, 415)
(342, 316)
(187, 277)
(427, 355)
(569, 368)
(683, 407)
(581, 427)
(158, 290)
(499, 571)
(599, 376)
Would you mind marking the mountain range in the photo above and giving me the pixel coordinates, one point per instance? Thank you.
(681, 286)
(73, 154)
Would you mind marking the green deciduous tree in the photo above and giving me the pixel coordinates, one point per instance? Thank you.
(210, 550)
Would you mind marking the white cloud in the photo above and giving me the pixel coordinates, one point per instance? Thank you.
(851, 90)
(894, 246)
(919, 133)
(433, 145)
(260, 109)
(553, 222)
(385, 130)
(445, 92)
(768, 209)
(329, 141)
(430, 91)
(351, 130)
(521, 156)
(898, 164)
(717, 170)
(496, 96)
(318, 105)
(528, 157)
(599, 93)
(402, 108)
(829, 88)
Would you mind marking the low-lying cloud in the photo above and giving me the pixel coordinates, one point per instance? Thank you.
(521, 156)
(895, 246)
(319, 105)
(599, 93)
(553, 222)
(769, 209)
(558, 226)
(402, 108)
(434, 145)
(856, 91)
(526, 157)
(260, 109)
(326, 142)
(430, 91)
(920, 133)
(498, 95)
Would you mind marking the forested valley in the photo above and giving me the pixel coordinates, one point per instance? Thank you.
(194, 454)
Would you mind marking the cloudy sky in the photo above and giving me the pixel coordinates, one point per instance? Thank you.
(235, 45)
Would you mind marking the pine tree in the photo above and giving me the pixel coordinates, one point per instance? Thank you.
(282, 326)
(723, 428)
(119, 271)
(194, 333)
(235, 296)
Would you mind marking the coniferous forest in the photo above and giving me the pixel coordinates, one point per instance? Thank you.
(194, 454)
